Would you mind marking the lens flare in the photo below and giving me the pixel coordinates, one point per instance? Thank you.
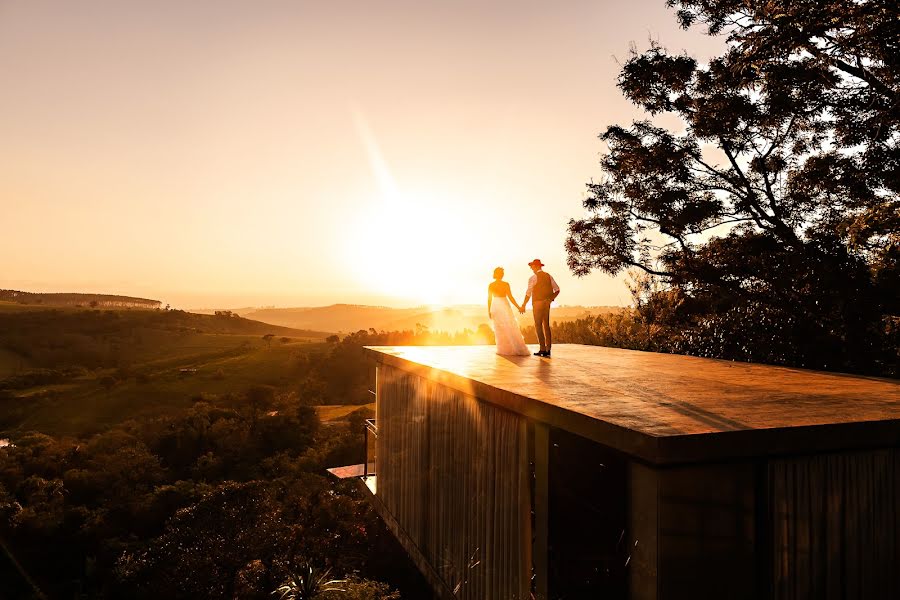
(407, 245)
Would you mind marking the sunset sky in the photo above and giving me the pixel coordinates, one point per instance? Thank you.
(232, 153)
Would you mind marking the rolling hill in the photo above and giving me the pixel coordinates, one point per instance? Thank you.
(53, 337)
(346, 318)
(77, 300)
(75, 370)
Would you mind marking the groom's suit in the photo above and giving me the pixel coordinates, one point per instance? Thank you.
(543, 289)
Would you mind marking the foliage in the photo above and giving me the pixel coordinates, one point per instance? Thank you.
(204, 503)
(772, 220)
(307, 582)
(354, 588)
(205, 486)
(35, 377)
(341, 373)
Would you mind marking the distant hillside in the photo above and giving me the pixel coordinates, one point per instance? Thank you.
(54, 338)
(211, 311)
(349, 318)
(77, 370)
(338, 317)
(100, 321)
(67, 299)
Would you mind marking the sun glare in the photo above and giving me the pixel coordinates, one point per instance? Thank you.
(413, 250)
(405, 245)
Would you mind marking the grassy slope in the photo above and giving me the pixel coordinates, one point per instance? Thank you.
(16, 307)
(10, 362)
(84, 405)
(336, 412)
(170, 319)
(157, 348)
(147, 330)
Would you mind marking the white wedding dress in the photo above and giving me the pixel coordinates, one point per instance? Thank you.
(506, 329)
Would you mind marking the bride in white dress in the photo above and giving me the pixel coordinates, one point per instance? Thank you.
(506, 329)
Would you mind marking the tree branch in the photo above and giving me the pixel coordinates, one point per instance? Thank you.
(647, 269)
(779, 226)
(770, 194)
(777, 142)
(858, 72)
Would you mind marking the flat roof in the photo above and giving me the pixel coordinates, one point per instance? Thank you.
(667, 408)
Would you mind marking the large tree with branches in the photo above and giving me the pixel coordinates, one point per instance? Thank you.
(773, 218)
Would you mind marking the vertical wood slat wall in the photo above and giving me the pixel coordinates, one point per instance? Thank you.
(836, 526)
(454, 473)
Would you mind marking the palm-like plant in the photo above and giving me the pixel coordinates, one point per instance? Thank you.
(306, 582)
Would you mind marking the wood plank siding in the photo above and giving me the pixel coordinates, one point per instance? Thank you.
(608, 473)
(454, 473)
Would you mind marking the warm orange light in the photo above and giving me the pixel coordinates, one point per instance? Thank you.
(410, 245)
(414, 250)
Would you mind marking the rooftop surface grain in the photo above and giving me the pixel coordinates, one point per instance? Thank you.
(666, 408)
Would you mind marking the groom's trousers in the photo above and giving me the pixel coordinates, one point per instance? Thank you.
(541, 310)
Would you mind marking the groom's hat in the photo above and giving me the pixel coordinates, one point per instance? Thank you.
(536, 263)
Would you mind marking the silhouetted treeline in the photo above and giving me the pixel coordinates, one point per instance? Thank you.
(67, 299)
(660, 322)
(727, 336)
(422, 336)
(341, 373)
(620, 329)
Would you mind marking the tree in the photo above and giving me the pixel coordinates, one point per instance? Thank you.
(205, 547)
(108, 382)
(306, 583)
(773, 219)
(854, 48)
(268, 339)
(258, 400)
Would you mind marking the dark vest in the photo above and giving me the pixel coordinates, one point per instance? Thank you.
(543, 289)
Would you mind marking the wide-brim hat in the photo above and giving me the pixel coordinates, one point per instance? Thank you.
(536, 263)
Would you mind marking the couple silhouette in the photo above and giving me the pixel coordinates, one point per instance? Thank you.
(542, 291)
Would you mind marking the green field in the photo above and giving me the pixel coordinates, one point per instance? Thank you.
(85, 405)
(338, 412)
(131, 364)
(16, 307)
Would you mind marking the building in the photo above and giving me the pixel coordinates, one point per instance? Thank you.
(609, 473)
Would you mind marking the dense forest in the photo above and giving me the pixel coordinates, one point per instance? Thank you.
(207, 484)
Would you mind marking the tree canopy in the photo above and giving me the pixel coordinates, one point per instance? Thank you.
(773, 217)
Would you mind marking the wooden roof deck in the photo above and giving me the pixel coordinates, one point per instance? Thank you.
(666, 408)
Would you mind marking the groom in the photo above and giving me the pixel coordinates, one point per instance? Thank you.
(542, 287)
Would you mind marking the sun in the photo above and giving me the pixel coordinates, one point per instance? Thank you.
(412, 249)
(407, 245)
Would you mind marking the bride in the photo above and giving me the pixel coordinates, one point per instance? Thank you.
(506, 329)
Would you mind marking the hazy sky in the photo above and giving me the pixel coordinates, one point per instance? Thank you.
(231, 153)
